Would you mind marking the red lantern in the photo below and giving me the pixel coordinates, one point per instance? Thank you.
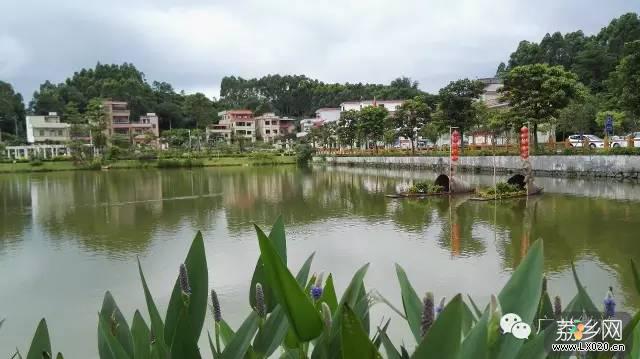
(455, 145)
(524, 143)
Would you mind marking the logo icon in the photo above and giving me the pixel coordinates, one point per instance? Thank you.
(512, 323)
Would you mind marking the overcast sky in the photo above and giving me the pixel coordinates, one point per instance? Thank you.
(192, 44)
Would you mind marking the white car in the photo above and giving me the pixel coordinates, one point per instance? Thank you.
(623, 139)
(594, 141)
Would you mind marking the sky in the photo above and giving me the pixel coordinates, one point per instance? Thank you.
(193, 44)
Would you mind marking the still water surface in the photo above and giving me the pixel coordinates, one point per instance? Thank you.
(67, 237)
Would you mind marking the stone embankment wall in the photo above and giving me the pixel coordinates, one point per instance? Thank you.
(613, 166)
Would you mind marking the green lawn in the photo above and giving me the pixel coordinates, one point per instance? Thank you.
(124, 164)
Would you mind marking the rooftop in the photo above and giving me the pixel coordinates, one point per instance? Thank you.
(377, 101)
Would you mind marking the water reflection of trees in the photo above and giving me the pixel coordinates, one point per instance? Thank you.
(15, 207)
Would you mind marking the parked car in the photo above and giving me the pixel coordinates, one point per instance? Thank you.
(594, 141)
(623, 139)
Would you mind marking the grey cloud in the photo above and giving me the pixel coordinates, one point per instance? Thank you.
(193, 44)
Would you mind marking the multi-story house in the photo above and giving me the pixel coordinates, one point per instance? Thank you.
(233, 124)
(270, 127)
(47, 128)
(390, 105)
(119, 122)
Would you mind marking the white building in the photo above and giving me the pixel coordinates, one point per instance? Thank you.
(328, 114)
(47, 128)
(390, 105)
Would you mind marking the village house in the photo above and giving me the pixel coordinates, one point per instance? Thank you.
(137, 130)
(233, 124)
(270, 127)
(47, 128)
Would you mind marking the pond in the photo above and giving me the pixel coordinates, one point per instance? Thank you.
(67, 237)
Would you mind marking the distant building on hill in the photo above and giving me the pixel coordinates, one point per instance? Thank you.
(390, 105)
(270, 127)
(328, 114)
(491, 96)
(119, 122)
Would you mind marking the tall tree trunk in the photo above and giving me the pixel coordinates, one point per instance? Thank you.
(413, 150)
(535, 136)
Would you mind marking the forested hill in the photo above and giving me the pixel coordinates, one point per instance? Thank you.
(300, 96)
(592, 57)
(288, 95)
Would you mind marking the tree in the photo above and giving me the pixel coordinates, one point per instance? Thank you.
(71, 114)
(371, 124)
(457, 103)
(538, 92)
(97, 120)
(199, 110)
(412, 115)
(620, 120)
(578, 117)
(347, 126)
(12, 112)
(432, 131)
(625, 80)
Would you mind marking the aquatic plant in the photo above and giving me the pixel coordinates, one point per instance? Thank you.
(285, 313)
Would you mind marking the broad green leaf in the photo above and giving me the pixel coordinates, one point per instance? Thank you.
(237, 347)
(411, 303)
(111, 314)
(278, 238)
(377, 339)
(1, 322)
(361, 309)
(443, 340)
(214, 352)
(303, 273)
(636, 275)
(352, 293)
(476, 344)
(194, 314)
(329, 295)
(41, 342)
(184, 346)
(585, 300)
(355, 341)
(141, 337)
(545, 309)
(635, 349)
(476, 310)
(226, 333)
(300, 311)
(274, 330)
(271, 333)
(521, 295)
(392, 352)
(534, 348)
(108, 344)
(59, 356)
(157, 327)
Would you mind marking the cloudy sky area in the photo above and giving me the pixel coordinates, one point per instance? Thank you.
(192, 44)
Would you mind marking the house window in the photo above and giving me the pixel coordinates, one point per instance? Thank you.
(266, 122)
(41, 132)
(275, 132)
(59, 133)
(268, 132)
(248, 132)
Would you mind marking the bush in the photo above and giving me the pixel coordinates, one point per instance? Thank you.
(35, 162)
(304, 154)
(425, 187)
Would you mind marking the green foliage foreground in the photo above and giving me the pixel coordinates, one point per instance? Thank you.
(303, 317)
